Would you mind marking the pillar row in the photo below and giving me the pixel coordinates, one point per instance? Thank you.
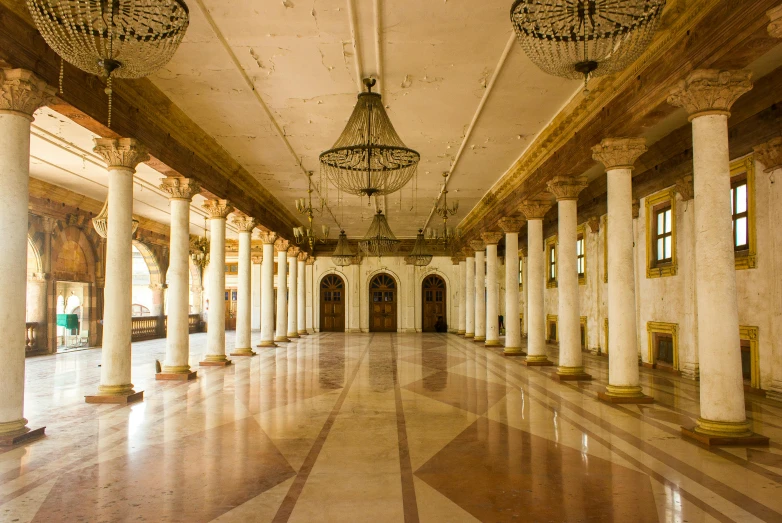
(267, 290)
(218, 211)
(491, 239)
(469, 284)
(301, 297)
(511, 228)
(243, 346)
(293, 290)
(480, 289)
(462, 295)
(281, 246)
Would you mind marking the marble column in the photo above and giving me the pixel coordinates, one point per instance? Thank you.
(243, 345)
(21, 94)
(310, 284)
(469, 284)
(176, 365)
(408, 306)
(218, 211)
(480, 289)
(158, 307)
(455, 296)
(707, 95)
(491, 239)
(511, 228)
(281, 246)
(462, 295)
(566, 190)
(293, 290)
(301, 297)
(618, 156)
(534, 211)
(122, 156)
(267, 290)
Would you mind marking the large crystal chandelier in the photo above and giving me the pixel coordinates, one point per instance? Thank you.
(343, 255)
(585, 38)
(112, 38)
(379, 240)
(420, 256)
(369, 158)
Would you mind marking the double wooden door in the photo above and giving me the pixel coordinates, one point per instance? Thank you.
(382, 304)
(433, 293)
(332, 304)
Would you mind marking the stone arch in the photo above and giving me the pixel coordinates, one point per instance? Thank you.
(34, 264)
(73, 256)
(156, 275)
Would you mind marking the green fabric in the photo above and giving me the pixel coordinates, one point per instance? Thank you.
(69, 321)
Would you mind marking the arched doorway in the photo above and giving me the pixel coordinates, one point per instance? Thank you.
(433, 308)
(332, 304)
(382, 304)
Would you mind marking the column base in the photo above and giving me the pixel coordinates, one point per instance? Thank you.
(724, 433)
(303, 333)
(460, 333)
(469, 334)
(215, 360)
(538, 361)
(513, 351)
(479, 338)
(624, 395)
(571, 374)
(691, 371)
(118, 399)
(176, 376)
(293, 335)
(282, 339)
(268, 343)
(243, 352)
(19, 437)
(493, 343)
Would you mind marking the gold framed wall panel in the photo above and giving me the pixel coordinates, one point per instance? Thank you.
(552, 318)
(750, 334)
(658, 327)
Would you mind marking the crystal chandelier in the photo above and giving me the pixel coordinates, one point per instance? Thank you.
(585, 38)
(420, 256)
(448, 235)
(302, 234)
(112, 38)
(369, 158)
(379, 240)
(199, 250)
(343, 255)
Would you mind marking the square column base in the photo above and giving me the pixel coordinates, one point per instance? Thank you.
(19, 439)
(619, 400)
(543, 363)
(581, 376)
(223, 363)
(179, 376)
(753, 440)
(123, 399)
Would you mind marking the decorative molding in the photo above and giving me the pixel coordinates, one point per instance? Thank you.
(567, 187)
(658, 327)
(180, 188)
(775, 27)
(244, 223)
(268, 237)
(594, 224)
(510, 225)
(770, 153)
(22, 92)
(293, 251)
(477, 245)
(685, 187)
(535, 209)
(491, 238)
(257, 258)
(710, 91)
(121, 153)
(303, 256)
(310, 260)
(468, 252)
(636, 208)
(281, 244)
(218, 209)
(619, 153)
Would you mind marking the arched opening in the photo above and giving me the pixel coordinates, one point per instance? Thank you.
(332, 304)
(433, 295)
(141, 293)
(382, 303)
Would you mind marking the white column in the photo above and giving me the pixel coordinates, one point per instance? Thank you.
(511, 227)
(255, 295)
(707, 95)
(293, 290)
(122, 156)
(454, 296)
(535, 210)
(571, 365)
(462, 295)
(218, 211)
(618, 156)
(267, 290)
(480, 290)
(492, 295)
(282, 286)
(177, 362)
(301, 297)
(309, 272)
(469, 283)
(243, 345)
(408, 306)
(21, 94)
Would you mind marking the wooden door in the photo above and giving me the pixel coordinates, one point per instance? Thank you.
(433, 294)
(332, 304)
(230, 309)
(382, 304)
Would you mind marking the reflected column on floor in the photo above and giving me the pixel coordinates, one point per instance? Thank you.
(491, 239)
(511, 228)
(245, 226)
(293, 255)
(480, 290)
(469, 284)
(267, 289)
(281, 246)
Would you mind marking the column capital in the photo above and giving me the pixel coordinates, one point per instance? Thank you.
(685, 187)
(770, 153)
(619, 153)
(491, 238)
(775, 27)
(477, 245)
(244, 223)
(468, 252)
(509, 225)
(535, 209)
(636, 207)
(455, 260)
(256, 258)
(594, 224)
(22, 92)
(310, 260)
(567, 187)
(523, 250)
(121, 153)
(281, 244)
(268, 237)
(293, 252)
(180, 188)
(218, 208)
(303, 256)
(158, 286)
(710, 91)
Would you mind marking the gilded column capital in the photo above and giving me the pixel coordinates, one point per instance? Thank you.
(268, 237)
(567, 187)
(710, 91)
(685, 187)
(770, 153)
(477, 245)
(256, 258)
(594, 224)
(244, 223)
(310, 260)
(180, 188)
(619, 153)
(22, 92)
(303, 256)
(468, 252)
(293, 252)
(535, 209)
(775, 27)
(509, 225)
(121, 153)
(455, 260)
(218, 208)
(281, 244)
(491, 238)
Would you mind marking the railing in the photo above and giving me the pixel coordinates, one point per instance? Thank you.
(152, 327)
(31, 336)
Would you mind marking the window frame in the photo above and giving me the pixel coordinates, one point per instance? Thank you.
(655, 203)
(744, 169)
(581, 237)
(551, 246)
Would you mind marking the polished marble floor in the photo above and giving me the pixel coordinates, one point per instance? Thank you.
(376, 427)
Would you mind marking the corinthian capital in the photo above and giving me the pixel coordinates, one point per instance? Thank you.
(491, 238)
(281, 244)
(567, 187)
(770, 153)
(180, 188)
(509, 225)
(244, 223)
(268, 237)
(303, 256)
(535, 209)
(710, 91)
(293, 252)
(121, 153)
(468, 252)
(619, 153)
(477, 245)
(22, 92)
(218, 208)
(775, 27)
(310, 260)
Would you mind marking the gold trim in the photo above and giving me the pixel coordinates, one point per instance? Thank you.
(624, 391)
(667, 195)
(581, 229)
(747, 259)
(551, 243)
(552, 318)
(658, 327)
(750, 334)
(730, 429)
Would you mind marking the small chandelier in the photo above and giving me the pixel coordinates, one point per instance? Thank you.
(112, 38)
(302, 234)
(585, 38)
(369, 158)
(343, 255)
(420, 256)
(199, 250)
(448, 235)
(379, 240)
